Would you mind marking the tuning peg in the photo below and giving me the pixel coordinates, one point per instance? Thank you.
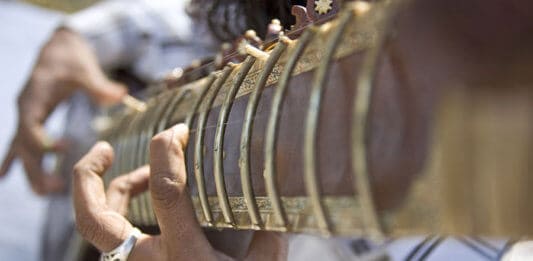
(252, 38)
(274, 29)
(286, 40)
(255, 52)
(225, 49)
(248, 43)
(232, 64)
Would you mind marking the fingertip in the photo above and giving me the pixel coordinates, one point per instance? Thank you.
(181, 132)
(118, 91)
(111, 93)
(101, 154)
(103, 146)
(160, 142)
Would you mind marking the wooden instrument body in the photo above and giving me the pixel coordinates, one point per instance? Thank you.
(410, 190)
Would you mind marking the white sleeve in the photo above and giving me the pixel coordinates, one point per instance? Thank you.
(120, 30)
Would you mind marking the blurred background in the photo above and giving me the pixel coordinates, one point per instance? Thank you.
(24, 28)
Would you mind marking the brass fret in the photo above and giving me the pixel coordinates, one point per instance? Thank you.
(200, 186)
(316, 48)
(273, 124)
(218, 149)
(153, 120)
(372, 223)
(311, 123)
(199, 144)
(244, 160)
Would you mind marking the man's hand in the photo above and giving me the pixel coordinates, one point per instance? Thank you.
(99, 215)
(66, 63)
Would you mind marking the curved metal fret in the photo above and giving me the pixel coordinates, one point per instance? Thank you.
(199, 142)
(251, 108)
(141, 146)
(188, 121)
(134, 202)
(112, 138)
(210, 79)
(219, 140)
(174, 104)
(311, 123)
(361, 108)
(272, 127)
(147, 133)
(142, 142)
(123, 166)
(157, 124)
(135, 127)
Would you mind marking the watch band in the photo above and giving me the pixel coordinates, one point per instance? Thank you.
(122, 252)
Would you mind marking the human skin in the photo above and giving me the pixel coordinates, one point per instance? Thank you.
(100, 215)
(65, 64)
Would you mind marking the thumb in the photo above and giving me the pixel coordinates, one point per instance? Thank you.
(170, 198)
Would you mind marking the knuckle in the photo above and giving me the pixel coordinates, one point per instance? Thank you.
(80, 169)
(165, 192)
(161, 140)
(120, 185)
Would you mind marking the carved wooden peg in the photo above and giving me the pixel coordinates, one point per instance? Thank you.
(300, 14)
(286, 40)
(274, 30)
(255, 52)
(252, 38)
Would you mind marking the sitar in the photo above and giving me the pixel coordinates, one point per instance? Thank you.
(287, 140)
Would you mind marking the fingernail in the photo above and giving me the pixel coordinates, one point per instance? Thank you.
(181, 132)
(103, 145)
(181, 127)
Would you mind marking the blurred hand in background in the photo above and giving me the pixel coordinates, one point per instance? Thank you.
(65, 64)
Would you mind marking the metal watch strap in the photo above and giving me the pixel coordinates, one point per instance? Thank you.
(122, 252)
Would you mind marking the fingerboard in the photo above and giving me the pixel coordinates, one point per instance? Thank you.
(239, 118)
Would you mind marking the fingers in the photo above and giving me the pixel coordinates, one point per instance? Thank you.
(41, 182)
(170, 198)
(8, 160)
(29, 146)
(106, 92)
(168, 179)
(125, 187)
(100, 88)
(96, 222)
